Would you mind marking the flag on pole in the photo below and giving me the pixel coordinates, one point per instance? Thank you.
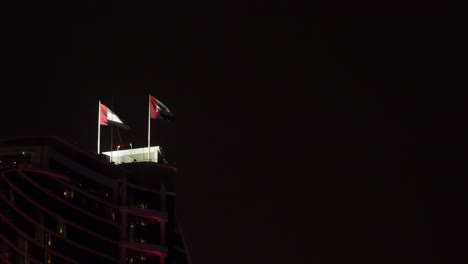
(160, 111)
(108, 117)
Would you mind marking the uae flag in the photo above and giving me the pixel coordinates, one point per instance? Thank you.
(159, 111)
(108, 117)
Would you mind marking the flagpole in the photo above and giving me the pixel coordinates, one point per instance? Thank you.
(112, 130)
(149, 126)
(99, 129)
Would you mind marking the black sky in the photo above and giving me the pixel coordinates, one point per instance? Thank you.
(328, 133)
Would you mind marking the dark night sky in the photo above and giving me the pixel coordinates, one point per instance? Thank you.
(333, 133)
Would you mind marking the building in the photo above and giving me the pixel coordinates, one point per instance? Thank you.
(60, 204)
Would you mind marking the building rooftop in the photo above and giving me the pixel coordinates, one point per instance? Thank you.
(151, 154)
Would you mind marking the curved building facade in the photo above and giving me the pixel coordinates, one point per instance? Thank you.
(59, 204)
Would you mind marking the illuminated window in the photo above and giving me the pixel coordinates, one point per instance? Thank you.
(61, 227)
(48, 239)
(68, 194)
(131, 233)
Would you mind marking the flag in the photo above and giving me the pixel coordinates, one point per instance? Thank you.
(108, 117)
(159, 111)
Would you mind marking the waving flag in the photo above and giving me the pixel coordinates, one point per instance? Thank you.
(108, 117)
(160, 111)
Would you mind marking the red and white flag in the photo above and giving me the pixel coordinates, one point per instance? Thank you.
(159, 111)
(108, 117)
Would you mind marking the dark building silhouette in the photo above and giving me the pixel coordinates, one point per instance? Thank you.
(60, 204)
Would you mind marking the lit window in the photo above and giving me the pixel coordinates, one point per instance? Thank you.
(48, 239)
(68, 193)
(61, 227)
